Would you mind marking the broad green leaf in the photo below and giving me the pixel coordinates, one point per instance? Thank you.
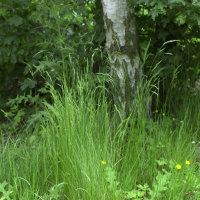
(197, 3)
(145, 187)
(15, 20)
(9, 39)
(153, 13)
(141, 193)
(6, 190)
(161, 162)
(28, 83)
(14, 48)
(154, 2)
(21, 52)
(81, 10)
(131, 194)
(4, 12)
(180, 19)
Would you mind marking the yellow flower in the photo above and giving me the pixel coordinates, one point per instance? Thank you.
(163, 114)
(181, 121)
(156, 111)
(103, 162)
(187, 162)
(178, 166)
(173, 119)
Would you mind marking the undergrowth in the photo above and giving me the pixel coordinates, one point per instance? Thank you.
(84, 150)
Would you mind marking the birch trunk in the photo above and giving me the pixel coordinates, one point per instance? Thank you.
(123, 50)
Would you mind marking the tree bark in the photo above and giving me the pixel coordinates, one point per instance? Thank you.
(123, 50)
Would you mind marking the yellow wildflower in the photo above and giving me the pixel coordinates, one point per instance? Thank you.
(156, 111)
(103, 162)
(178, 166)
(163, 114)
(187, 162)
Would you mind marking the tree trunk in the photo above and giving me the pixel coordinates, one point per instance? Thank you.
(123, 50)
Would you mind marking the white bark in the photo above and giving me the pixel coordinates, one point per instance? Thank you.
(121, 37)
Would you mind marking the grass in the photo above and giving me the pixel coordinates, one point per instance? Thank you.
(85, 151)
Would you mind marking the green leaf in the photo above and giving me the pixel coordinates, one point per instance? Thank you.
(141, 193)
(21, 52)
(180, 19)
(14, 48)
(13, 58)
(131, 194)
(28, 83)
(145, 187)
(81, 10)
(43, 90)
(19, 116)
(6, 190)
(160, 185)
(198, 20)
(24, 3)
(154, 13)
(177, 2)
(15, 20)
(55, 191)
(196, 3)
(111, 177)
(4, 12)
(161, 162)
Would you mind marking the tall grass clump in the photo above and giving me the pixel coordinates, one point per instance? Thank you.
(78, 135)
